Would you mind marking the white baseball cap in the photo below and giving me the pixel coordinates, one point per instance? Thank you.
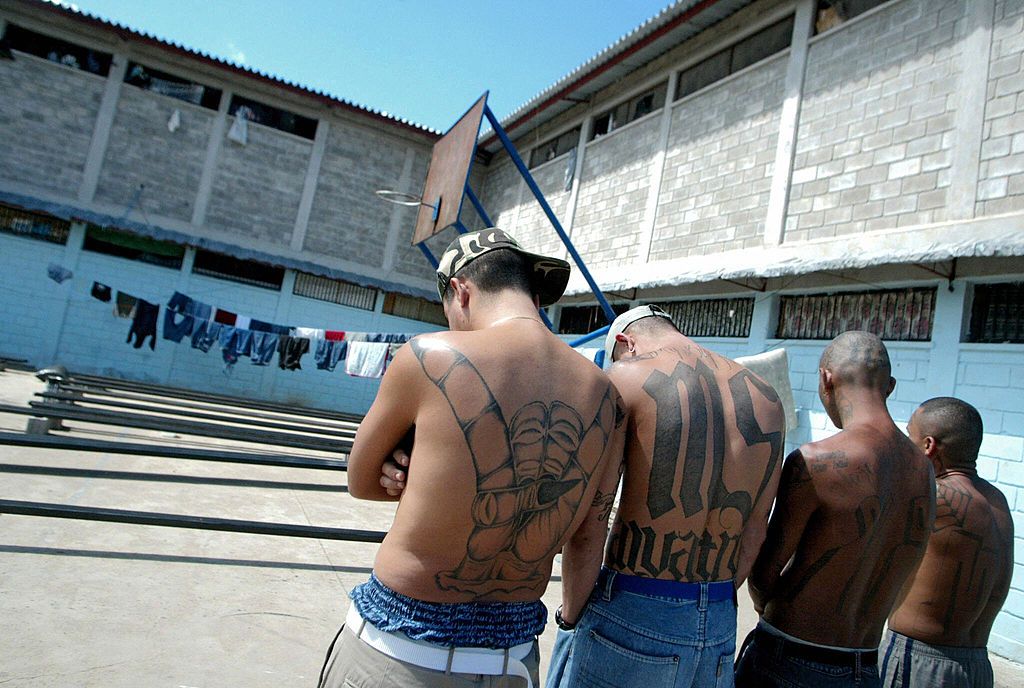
(625, 320)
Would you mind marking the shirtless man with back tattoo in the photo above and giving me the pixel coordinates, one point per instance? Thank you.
(940, 628)
(516, 440)
(850, 525)
(703, 456)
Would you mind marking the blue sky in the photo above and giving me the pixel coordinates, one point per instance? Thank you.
(424, 61)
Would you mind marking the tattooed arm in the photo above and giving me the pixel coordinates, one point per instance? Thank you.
(583, 553)
(386, 424)
(796, 503)
(756, 530)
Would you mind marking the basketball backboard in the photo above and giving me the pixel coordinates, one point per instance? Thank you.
(450, 163)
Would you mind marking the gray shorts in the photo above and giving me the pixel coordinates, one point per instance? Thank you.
(909, 663)
(354, 664)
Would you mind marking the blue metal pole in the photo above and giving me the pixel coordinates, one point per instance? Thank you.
(479, 207)
(547, 321)
(528, 178)
(600, 332)
(430, 256)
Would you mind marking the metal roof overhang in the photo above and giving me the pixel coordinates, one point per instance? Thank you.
(670, 27)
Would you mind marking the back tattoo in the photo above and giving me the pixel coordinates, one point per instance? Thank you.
(531, 474)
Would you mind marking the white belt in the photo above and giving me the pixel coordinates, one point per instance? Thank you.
(459, 660)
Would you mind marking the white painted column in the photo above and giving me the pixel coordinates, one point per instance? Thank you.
(316, 156)
(789, 121)
(217, 131)
(969, 104)
(761, 322)
(657, 172)
(101, 131)
(947, 326)
(72, 255)
(398, 213)
(577, 172)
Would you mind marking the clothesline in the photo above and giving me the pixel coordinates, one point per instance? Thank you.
(366, 354)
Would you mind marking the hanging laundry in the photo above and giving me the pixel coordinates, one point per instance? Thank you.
(100, 292)
(366, 359)
(291, 350)
(225, 317)
(58, 273)
(243, 322)
(329, 352)
(334, 335)
(178, 321)
(264, 346)
(308, 332)
(260, 326)
(144, 324)
(124, 305)
(205, 334)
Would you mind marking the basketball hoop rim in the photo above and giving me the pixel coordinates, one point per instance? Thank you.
(399, 198)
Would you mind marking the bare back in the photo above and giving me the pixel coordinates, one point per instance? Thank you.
(512, 430)
(703, 453)
(965, 575)
(851, 524)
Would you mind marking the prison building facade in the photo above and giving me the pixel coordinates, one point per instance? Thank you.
(774, 173)
(150, 168)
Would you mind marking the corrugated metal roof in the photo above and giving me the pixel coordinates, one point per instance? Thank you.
(675, 24)
(74, 13)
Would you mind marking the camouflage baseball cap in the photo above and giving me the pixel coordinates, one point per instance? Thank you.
(548, 275)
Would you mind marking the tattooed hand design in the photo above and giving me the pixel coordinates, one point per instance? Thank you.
(529, 483)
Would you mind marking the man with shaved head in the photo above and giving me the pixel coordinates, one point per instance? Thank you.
(940, 629)
(850, 525)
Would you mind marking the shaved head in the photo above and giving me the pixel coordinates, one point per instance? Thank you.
(858, 358)
(956, 427)
(651, 326)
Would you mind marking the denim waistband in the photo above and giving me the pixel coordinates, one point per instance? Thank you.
(788, 647)
(461, 624)
(716, 590)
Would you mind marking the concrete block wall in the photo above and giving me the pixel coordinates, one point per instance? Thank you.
(1001, 174)
(257, 187)
(347, 219)
(533, 229)
(46, 131)
(717, 177)
(614, 186)
(874, 143)
(142, 150)
(48, 323)
(502, 187)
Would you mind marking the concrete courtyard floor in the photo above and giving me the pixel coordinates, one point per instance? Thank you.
(86, 603)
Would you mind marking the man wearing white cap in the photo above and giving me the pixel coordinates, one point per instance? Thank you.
(703, 458)
(516, 440)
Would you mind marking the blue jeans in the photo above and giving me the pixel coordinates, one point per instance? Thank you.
(771, 661)
(650, 641)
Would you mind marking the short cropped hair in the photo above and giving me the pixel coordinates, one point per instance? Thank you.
(498, 270)
(953, 423)
(858, 357)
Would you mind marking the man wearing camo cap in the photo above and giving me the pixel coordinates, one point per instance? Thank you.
(517, 439)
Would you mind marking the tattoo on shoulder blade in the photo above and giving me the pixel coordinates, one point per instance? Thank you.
(529, 483)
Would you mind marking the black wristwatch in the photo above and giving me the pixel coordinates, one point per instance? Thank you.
(562, 623)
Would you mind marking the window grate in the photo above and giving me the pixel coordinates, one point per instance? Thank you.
(114, 242)
(413, 308)
(904, 315)
(712, 317)
(237, 270)
(334, 291)
(33, 225)
(997, 313)
(55, 50)
(585, 319)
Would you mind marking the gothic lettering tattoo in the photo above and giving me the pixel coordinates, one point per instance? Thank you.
(690, 556)
(605, 502)
(531, 473)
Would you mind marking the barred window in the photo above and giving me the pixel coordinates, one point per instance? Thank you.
(55, 50)
(33, 225)
(584, 319)
(997, 313)
(114, 242)
(629, 110)
(238, 270)
(275, 117)
(413, 308)
(894, 314)
(172, 86)
(335, 291)
(712, 317)
(552, 148)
